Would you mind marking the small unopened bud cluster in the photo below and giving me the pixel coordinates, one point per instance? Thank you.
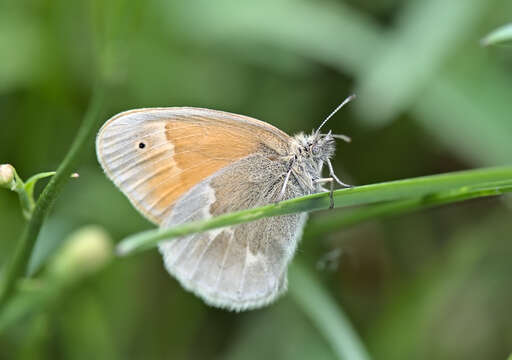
(7, 176)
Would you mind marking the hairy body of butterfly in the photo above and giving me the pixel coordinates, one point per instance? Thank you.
(184, 164)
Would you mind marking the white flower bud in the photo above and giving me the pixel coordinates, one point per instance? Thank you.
(7, 178)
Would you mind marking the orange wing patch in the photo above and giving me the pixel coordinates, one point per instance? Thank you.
(156, 155)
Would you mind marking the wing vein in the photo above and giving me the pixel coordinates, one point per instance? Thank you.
(224, 258)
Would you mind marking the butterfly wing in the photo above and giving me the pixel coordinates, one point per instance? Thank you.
(242, 266)
(156, 155)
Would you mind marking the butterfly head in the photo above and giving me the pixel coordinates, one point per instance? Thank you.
(315, 147)
(320, 147)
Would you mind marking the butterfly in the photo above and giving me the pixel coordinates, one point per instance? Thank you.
(182, 164)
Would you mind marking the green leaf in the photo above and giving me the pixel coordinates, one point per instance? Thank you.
(499, 36)
(31, 182)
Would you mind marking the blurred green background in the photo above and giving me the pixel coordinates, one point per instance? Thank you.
(431, 285)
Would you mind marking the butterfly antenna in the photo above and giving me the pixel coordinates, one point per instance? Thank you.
(347, 100)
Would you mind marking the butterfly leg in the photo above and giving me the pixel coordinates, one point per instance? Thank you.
(331, 190)
(286, 179)
(283, 189)
(331, 171)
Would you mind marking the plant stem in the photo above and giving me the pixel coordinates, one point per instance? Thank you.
(16, 267)
(464, 182)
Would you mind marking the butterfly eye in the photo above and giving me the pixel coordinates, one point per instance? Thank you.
(142, 145)
(315, 150)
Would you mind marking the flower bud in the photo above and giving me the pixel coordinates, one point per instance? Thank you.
(7, 177)
(85, 252)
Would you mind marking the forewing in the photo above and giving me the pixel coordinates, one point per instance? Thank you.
(156, 155)
(243, 266)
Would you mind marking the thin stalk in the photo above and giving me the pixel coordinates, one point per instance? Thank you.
(16, 267)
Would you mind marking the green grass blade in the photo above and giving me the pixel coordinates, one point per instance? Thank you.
(463, 181)
(325, 314)
(327, 224)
